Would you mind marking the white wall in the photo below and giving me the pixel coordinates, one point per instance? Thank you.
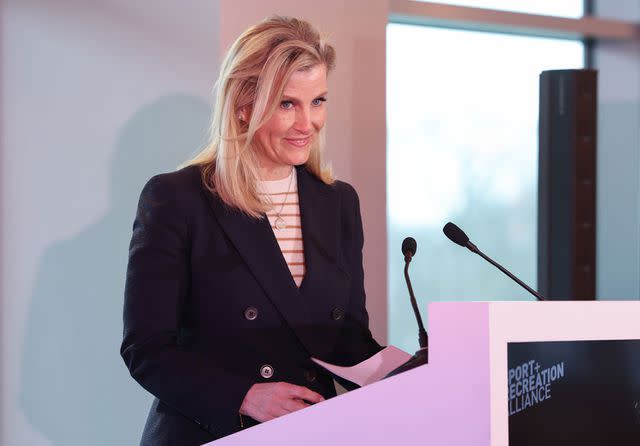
(96, 97)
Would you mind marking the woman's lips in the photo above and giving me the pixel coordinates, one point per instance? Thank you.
(298, 142)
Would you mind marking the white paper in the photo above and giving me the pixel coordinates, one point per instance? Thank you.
(369, 370)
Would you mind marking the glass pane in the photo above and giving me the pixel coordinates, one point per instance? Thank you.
(560, 8)
(462, 110)
(628, 10)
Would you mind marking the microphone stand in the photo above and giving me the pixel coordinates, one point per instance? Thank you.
(474, 248)
(421, 357)
(457, 236)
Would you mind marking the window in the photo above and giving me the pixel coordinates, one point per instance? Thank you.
(462, 116)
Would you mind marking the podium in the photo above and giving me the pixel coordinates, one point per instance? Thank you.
(493, 366)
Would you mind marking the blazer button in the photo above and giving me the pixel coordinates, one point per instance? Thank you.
(251, 313)
(337, 314)
(266, 371)
(310, 375)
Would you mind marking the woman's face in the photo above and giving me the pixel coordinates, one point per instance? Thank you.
(285, 140)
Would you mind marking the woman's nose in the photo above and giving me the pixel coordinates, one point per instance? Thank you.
(303, 121)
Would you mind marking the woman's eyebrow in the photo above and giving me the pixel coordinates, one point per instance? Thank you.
(286, 97)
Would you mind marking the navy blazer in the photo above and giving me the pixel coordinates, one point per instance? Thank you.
(210, 301)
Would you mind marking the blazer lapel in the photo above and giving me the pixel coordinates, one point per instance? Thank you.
(320, 223)
(258, 247)
(326, 284)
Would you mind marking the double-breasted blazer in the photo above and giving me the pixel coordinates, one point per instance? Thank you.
(211, 307)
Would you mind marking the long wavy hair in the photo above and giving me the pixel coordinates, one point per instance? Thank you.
(252, 79)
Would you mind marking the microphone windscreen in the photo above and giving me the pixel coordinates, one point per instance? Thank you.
(409, 247)
(455, 234)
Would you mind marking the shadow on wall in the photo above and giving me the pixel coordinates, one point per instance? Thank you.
(76, 389)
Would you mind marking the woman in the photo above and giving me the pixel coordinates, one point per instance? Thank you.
(248, 262)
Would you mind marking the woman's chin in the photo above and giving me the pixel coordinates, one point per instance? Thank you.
(297, 159)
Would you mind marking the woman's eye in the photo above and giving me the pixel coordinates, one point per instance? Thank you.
(318, 101)
(286, 105)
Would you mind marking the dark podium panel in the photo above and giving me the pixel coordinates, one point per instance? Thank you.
(583, 393)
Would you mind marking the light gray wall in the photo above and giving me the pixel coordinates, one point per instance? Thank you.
(618, 193)
(96, 97)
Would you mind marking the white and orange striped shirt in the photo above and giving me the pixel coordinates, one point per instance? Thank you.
(284, 196)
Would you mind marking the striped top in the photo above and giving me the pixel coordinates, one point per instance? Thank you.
(284, 217)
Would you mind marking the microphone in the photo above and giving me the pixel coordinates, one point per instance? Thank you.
(457, 235)
(409, 248)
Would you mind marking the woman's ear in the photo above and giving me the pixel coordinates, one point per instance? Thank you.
(243, 114)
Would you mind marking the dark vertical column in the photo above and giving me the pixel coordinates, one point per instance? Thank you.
(567, 184)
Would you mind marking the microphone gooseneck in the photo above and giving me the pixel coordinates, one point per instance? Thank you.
(409, 248)
(458, 236)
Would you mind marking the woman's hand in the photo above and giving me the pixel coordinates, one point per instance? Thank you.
(266, 401)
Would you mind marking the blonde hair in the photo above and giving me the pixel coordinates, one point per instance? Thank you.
(253, 77)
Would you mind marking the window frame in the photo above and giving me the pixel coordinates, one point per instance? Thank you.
(587, 27)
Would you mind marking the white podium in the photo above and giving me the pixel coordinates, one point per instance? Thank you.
(461, 398)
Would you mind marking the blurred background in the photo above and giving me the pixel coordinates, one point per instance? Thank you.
(433, 117)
